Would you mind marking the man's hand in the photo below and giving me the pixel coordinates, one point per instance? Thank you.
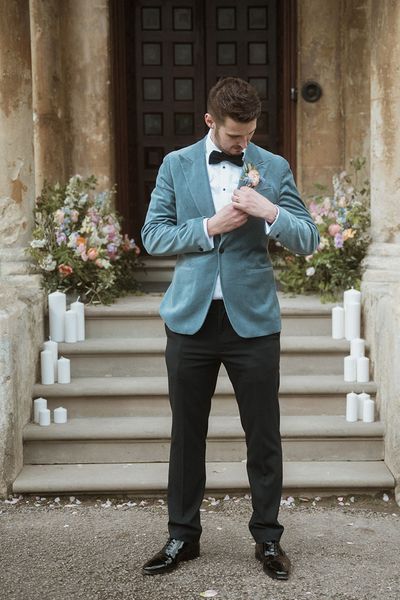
(251, 202)
(226, 219)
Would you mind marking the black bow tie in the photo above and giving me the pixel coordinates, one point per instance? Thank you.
(217, 157)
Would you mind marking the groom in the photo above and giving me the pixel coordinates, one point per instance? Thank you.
(215, 205)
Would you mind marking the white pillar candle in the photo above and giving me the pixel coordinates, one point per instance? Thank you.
(79, 308)
(351, 296)
(64, 370)
(47, 367)
(363, 369)
(352, 320)
(369, 411)
(44, 417)
(57, 307)
(53, 347)
(362, 398)
(351, 407)
(357, 347)
(337, 322)
(71, 326)
(38, 404)
(350, 368)
(60, 415)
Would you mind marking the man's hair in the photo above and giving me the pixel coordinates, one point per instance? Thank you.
(235, 98)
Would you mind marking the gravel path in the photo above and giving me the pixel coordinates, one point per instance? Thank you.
(346, 549)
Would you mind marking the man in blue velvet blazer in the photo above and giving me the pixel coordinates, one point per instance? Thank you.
(215, 206)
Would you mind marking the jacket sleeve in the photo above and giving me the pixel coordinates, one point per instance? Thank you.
(161, 235)
(294, 227)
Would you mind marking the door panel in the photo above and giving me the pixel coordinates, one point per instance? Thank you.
(166, 56)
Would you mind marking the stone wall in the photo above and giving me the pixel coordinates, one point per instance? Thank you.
(333, 40)
(21, 306)
(55, 120)
(381, 281)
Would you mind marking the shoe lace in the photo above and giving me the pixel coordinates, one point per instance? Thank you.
(172, 545)
(271, 547)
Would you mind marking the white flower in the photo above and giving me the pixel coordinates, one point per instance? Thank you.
(48, 264)
(310, 271)
(38, 243)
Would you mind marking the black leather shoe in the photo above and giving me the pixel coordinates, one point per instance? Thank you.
(275, 561)
(167, 559)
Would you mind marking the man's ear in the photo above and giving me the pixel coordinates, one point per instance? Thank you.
(209, 121)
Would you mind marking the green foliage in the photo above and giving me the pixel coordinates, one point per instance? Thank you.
(77, 242)
(343, 221)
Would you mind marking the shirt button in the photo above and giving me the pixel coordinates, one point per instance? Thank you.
(224, 189)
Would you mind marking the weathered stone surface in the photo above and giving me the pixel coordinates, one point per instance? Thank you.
(16, 154)
(381, 281)
(21, 334)
(334, 49)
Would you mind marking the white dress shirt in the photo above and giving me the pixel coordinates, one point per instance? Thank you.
(224, 179)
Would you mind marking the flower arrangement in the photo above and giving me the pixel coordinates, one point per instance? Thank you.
(78, 245)
(343, 220)
(250, 177)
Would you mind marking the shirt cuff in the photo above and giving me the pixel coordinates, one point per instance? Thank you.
(269, 225)
(208, 236)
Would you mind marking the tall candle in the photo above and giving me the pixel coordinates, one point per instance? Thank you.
(60, 415)
(38, 404)
(64, 370)
(369, 411)
(47, 367)
(362, 398)
(71, 326)
(44, 417)
(79, 308)
(337, 322)
(351, 407)
(357, 347)
(351, 296)
(350, 368)
(363, 369)
(53, 347)
(352, 320)
(57, 307)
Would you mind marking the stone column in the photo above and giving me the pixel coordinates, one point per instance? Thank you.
(85, 39)
(381, 281)
(48, 92)
(21, 318)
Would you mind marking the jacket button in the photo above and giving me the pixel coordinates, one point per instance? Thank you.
(200, 249)
(221, 250)
(277, 235)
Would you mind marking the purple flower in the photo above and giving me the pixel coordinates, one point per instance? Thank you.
(338, 240)
(61, 238)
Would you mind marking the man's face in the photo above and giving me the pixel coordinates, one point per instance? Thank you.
(231, 136)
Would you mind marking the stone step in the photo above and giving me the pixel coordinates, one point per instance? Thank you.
(135, 396)
(118, 357)
(339, 477)
(147, 439)
(138, 316)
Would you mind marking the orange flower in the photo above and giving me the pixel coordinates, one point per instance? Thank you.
(65, 270)
(80, 240)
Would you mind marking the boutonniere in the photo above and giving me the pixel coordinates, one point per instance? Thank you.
(250, 176)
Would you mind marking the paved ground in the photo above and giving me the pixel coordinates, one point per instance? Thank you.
(346, 549)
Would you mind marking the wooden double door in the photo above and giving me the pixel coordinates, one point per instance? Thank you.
(167, 55)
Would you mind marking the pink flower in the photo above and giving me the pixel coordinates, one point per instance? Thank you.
(92, 253)
(65, 270)
(74, 216)
(254, 177)
(333, 229)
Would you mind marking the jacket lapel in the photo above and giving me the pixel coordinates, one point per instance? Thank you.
(194, 168)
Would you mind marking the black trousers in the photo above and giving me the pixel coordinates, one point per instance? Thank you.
(193, 362)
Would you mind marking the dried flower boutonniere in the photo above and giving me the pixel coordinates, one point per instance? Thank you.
(250, 177)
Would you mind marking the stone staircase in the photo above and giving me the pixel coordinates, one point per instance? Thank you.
(117, 435)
